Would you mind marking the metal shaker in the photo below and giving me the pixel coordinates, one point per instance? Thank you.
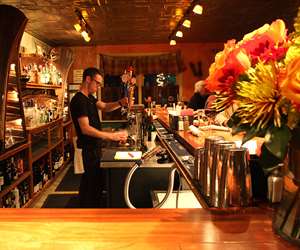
(218, 153)
(235, 184)
(275, 186)
(208, 145)
(199, 163)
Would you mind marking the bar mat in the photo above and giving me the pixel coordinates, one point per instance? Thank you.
(61, 201)
(70, 182)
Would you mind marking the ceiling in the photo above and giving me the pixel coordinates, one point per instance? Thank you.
(149, 21)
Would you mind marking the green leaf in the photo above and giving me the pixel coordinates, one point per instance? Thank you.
(277, 139)
(250, 133)
(267, 160)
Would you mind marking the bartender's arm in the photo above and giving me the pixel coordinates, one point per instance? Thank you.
(111, 106)
(86, 129)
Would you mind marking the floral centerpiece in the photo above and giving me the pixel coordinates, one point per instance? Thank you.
(129, 82)
(261, 75)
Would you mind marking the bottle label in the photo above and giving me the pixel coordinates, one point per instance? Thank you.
(1, 181)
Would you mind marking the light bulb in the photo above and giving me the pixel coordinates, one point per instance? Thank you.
(172, 42)
(179, 33)
(87, 38)
(198, 9)
(77, 27)
(84, 34)
(187, 23)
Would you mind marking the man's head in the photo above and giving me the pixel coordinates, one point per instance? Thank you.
(199, 87)
(92, 79)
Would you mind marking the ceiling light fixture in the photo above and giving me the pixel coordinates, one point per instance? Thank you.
(83, 27)
(198, 9)
(172, 42)
(185, 20)
(187, 23)
(179, 33)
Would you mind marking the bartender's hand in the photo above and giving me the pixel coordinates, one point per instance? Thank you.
(119, 136)
(124, 101)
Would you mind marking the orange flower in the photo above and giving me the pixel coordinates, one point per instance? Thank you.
(290, 84)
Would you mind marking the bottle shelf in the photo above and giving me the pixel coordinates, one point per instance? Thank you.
(40, 96)
(40, 150)
(14, 151)
(43, 126)
(9, 188)
(42, 86)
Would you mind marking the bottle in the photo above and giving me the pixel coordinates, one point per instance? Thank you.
(150, 131)
(186, 123)
(1, 179)
(16, 200)
(275, 185)
(8, 173)
(180, 123)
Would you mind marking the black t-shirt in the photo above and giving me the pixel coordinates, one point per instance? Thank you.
(197, 101)
(80, 106)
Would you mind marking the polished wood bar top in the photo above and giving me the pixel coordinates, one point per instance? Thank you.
(136, 229)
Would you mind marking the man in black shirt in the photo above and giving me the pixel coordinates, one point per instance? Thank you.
(84, 111)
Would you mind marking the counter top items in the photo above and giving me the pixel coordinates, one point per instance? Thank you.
(128, 155)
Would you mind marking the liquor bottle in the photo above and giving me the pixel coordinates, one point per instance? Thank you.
(16, 194)
(1, 180)
(8, 173)
(150, 131)
(2, 175)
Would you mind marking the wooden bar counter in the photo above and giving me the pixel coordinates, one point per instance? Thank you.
(89, 229)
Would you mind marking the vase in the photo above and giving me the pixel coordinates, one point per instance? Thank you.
(286, 221)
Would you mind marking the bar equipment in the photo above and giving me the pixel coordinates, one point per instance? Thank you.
(235, 184)
(199, 164)
(217, 159)
(206, 170)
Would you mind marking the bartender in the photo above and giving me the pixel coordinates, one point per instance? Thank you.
(84, 111)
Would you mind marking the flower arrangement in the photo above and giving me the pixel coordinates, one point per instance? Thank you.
(129, 84)
(127, 77)
(261, 75)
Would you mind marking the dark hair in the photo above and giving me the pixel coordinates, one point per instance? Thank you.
(91, 72)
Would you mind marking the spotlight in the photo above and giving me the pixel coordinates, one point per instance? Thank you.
(77, 27)
(187, 23)
(172, 42)
(179, 33)
(198, 9)
(83, 27)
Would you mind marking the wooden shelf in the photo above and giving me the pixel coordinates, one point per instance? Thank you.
(15, 184)
(56, 144)
(37, 195)
(67, 123)
(14, 151)
(42, 86)
(42, 127)
(42, 151)
(40, 96)
(32, 55)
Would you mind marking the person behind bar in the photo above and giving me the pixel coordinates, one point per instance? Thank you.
(199, 98)
(84, 111)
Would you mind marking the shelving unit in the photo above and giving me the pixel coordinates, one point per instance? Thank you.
(14, 149)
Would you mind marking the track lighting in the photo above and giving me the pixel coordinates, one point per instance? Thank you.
(172, 42)
(179, 33)
(185, 20)
(198, 9)
(186, 23)
(83, 27)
